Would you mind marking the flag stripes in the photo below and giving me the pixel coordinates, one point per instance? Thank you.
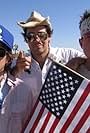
(82, 121)
(86, 126)
(63, 105)
(76, 109)
(50, 123)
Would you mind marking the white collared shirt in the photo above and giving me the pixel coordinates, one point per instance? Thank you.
(22, 97)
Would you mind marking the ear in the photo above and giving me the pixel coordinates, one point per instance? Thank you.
(80, 42)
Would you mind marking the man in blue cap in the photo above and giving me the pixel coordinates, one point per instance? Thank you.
(14, 94)
(6, 45)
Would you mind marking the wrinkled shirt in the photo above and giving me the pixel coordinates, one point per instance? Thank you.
(25, 90)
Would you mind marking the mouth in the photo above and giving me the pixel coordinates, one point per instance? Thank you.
(38, 45)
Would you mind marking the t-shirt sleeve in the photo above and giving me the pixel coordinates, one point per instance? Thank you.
(66, 54)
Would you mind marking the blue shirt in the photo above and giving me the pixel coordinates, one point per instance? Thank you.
(4, 89)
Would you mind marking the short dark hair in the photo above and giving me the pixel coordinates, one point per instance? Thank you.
(85, 15)
(48, 30)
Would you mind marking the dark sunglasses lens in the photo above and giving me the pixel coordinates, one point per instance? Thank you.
(42, 35)
(29, 36)
(32, 36)
(2, 52)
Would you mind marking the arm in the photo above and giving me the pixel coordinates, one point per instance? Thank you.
(74, 63)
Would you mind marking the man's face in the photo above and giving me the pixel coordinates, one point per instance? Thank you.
(85, 44)
(3, 58)
(38, 40)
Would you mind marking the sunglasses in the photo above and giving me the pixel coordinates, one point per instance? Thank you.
(2, 52)
(31, 36)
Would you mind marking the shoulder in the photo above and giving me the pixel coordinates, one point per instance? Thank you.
(64, 50)
(65, 54)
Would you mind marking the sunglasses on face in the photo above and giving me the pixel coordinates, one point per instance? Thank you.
(2, 52)
(31, 36)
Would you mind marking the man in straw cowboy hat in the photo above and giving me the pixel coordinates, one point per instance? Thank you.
(37, 32)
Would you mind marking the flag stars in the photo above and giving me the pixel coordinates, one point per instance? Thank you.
(59, 97)
(53, 89)
(63, 96)
(58, 90)
(66, 84)
(62, 86)
(71, 83)
(45, 86)
(67, 89)
(47, 101)
(52, 105)
(57, 87)
(61, 107)
(76, 81)
(57, 109)
(49, 90)
(70, 77)
(55, 72)
(56, 104)
(63, 91)
(53, 109)
(44, 96)
(52, 84)
(61, 81)
(56, 77)
(54, 67)
(64, 101)
(60, 102)
(55, 99)
(51, 73)
(58, 114)
(68, 95)
(65, 74)
(72, 88)
(60, 76)
(46, 91)
(57, 82)
(54, 94)
(48, 105)
(51, 100)
(65, 79)
(59, 70)
(52, 78)
(43, 92)
(48, 80)
(48, 85)
(44, 102)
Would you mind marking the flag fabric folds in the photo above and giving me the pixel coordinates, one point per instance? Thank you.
(63, 105)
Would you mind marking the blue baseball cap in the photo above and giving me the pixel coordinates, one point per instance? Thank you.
(6, 37)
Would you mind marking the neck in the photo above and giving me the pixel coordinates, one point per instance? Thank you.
(41, 59)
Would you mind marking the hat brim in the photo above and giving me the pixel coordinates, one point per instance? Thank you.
(33, 24)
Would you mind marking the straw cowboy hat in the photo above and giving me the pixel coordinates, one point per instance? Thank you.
(36, 19)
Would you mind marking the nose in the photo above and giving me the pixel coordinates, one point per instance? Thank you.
(37, 38)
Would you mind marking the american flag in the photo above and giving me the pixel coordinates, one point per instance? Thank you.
(63, 105)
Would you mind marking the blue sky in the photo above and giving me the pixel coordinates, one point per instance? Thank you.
(64, 15)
